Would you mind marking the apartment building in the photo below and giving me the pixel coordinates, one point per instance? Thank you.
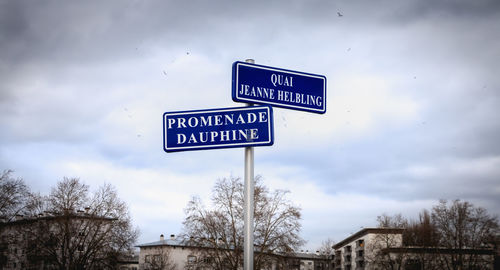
(383, 248)
(47, 240)
(356, 251)
(180, 254)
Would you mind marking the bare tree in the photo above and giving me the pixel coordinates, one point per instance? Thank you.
(461, 226)
(219, 229)
(78, 230)
(326, 248)
(396, 221)
(421, 232)
(454, 236)
(162, 260)
(377, 250)
(378, 253)
(13, 193)
(326, 253)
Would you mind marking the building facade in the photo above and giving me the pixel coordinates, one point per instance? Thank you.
(68, 240)
(382, 248)
(173, 253)
(358, 251)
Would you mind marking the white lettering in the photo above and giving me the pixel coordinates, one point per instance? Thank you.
(193, 121)
(218, 120)
(181, 138)
(213, 135)
(281, 80)
(287, 96)
(274, 79)
(224, 135)
(206, 121)
(171, 121)
(242, 89)
(181, 123)
(242, 133)
(251, 118)
(240, 119)
(280, 95)
(203, 140)
(192, 139)
(262, 117)
(254, 134)
(229, 118)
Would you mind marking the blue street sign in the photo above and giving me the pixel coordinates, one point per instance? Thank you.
(278, 87)
(218, 128)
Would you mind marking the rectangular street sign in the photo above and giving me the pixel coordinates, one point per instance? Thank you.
(218, 128)
(290, 89)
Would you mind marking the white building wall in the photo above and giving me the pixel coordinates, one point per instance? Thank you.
(353, 259)
(177, 255)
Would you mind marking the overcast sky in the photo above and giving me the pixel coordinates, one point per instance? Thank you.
(412, 110)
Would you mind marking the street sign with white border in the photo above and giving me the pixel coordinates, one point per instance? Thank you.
(252, 83)
(218, 128)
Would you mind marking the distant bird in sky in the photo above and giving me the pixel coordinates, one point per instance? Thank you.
(165, 73)
(339, 14)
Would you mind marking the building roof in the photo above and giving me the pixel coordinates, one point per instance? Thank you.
(165, 242)
(440, 250)
(20, 219)
(366, 231)
(307, 256)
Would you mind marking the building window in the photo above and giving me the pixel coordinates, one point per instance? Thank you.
(208, 260)
(191, 259)
(361, 243)
(414, 264)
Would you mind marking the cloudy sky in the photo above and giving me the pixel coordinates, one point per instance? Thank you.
(412, 110)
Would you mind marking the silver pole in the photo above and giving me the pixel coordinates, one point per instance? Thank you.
(248, 201)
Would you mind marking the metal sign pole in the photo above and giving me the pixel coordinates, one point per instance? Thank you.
(248, 201)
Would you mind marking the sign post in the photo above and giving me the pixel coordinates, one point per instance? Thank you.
(248, 205)
(246, 126)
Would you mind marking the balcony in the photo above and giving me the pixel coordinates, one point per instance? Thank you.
(360, 254)
(360, 245)
(360, 265)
